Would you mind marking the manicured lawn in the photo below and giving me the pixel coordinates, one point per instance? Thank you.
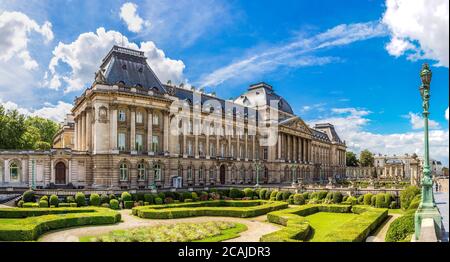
(323, 223)
(182, 232)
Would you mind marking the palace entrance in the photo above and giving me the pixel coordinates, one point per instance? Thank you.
(60, 174)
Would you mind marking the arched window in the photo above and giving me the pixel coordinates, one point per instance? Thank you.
(212, 173)
(189, 173)
(142, 175)
(242, 171)
(123, 172)
(157, 172)
(14, 172)
(200, 174)
(211, 149)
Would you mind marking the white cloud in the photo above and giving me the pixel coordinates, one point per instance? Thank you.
(128, 13)
(54, 112)
(446, 114)
(350, 124)
(15, 31)
(416, 121)
(84, 56)
(296, 53)
(419, 26)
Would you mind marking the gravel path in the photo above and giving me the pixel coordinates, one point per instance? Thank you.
(380, 234)
(256, 227)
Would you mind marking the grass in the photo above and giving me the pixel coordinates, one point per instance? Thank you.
(181, 232)
(323, 222)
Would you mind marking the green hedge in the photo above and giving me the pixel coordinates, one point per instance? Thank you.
(226, 208)
(128, 204)
(297, 227)
(54, 201)
(35, 222)
(407, 195)
(94, 200)
(401, 229)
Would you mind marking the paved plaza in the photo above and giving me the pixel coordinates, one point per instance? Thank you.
(441, 199)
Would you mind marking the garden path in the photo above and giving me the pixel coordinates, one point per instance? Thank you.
(255, 230)
(380, 234)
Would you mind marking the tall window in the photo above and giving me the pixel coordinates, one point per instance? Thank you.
(123, 172)
(200, 148)
(232, 151)
(242, 174)
(241, 152)
(122, 116)
(14, 172)
(212, 174)
(141, 172)
(200, 173)
(157, 172)
(139, 118)
(222, 150)
(189, 173)
(139, 142)
(189, 152)
(155, 144)
(121, 142)
(155, 120)
(265, 154)
(211, 149)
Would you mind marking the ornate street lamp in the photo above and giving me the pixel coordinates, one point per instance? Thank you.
(427, 208)
(258, 166)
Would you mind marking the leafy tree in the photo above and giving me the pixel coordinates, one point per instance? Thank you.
(47, 128)
(366, 158)
(351, 159)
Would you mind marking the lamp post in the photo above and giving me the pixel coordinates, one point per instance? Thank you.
(257, 168)
(427, 208)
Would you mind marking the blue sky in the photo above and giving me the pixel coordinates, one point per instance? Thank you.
(353, 63)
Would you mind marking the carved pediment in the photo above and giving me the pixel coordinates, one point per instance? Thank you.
(298, 125)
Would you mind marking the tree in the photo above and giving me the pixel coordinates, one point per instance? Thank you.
(366, 158)
(351, 159)
(47, 128)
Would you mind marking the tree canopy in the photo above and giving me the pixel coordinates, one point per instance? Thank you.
(351, 159)
(18, 131)
(366, 158)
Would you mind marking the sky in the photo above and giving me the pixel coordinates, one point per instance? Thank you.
(354, 63)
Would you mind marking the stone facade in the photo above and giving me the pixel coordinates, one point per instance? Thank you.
(123, 137)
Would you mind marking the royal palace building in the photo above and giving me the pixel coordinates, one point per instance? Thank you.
(130, 131)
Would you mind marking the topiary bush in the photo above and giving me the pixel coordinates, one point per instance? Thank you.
(44, 198)
(70, 199)
(104, 199)
(236, 193)
(322, 195)
(305, 195)
(279, 196)
(20, 203)
(337, 197)
(401, 229)
(393, 205)
(268, 195)
(43, 203)
(407, 195)
(158, 201)
(273, 194)
(114, 204)
(380, 201)
(94, 200)
(112, 196)
(248, 192)
(130, 204)
(415, 202)
(368, 199)
(148, 198)
(373, 200)
(80, 199)
(344, 198)
(54, 201)
(187, 195)
(262, 193)
(286, 195)
(126, 196)
(299, 199)
(361, 200)
(29, 196)
(168, 200)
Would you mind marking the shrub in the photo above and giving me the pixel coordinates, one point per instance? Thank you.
(158, 201)
(187, 195)
(126, 197)
(54, 201)
(361, 199)
(248, 192)
(114, 204)
(373, 200)
(337, 197)
(380, 201)
(305, 195)
(129, 204)
(299, 199)
(268, 195)
(29, 196)
(168, 200)
(80, 199)
(43, 203)
(204, 196)
(388, 198)
(104, 199)
(20, 203)
(94, 200)
(367, 199)
(407, 195)
(112, 196)
(401, 228)
(70, 199)
(148, 198)
(64, 205)
(415, 203)
(314, 195)
(106, 205)
(344, 198)
(262, 193)
(73, 204)
(273, 199)
(393, 205)
(329, 196)
(322, 194)
(352, 200)
(286, 195)
(44, 198)
(279, 196)
(236, 193)
(188, 200)
(273, 194)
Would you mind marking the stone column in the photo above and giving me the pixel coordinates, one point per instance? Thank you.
(52, 171)
(69, 174)
(133, 130)
(149, 132)
(6, 173)
(238, 146)
(166, 132)
(207, 153)
(309, 151)
(76, 135)
(254, 147)
(279, 146)
(218, 149)
(196, 153)
(184, 144)
(89, 129)
(246, 146)
(113, 129)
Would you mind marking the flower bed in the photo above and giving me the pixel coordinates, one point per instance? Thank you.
(226, 208)
(23, 224)
(298, 228)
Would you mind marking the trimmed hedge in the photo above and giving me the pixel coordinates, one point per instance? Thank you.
(80, 199)
(54, 201)
(114, 204)
(29, 196)
(248, 192)
(299, 199)
(35, 222)
(368, 199)
(401, 228)
(128, 204)
(407, 195)
(226, 208)
(262, 194)
(43, 204)
(297, 227)
(94, 200)
(126, 197)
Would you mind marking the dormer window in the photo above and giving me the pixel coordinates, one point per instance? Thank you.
(124, 67)
(140, 70)
(155, 89)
